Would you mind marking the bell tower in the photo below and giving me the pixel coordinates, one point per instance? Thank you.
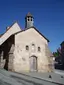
(29, 20)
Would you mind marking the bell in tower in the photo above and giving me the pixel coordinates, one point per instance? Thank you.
(28, 20)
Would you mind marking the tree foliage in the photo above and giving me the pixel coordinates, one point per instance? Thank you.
(56, 54)
(59, 56)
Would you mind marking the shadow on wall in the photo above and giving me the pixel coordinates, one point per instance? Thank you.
(5, 48)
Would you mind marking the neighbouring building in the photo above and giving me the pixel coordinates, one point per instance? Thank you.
(59, 58)
(25, 50)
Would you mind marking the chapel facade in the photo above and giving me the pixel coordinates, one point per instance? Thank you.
(25, 50)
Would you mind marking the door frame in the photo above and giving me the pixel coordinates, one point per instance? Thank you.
(31, 63)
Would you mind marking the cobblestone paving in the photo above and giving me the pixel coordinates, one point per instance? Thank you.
(11, 78)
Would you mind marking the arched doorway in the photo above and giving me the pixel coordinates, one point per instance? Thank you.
(33, 63)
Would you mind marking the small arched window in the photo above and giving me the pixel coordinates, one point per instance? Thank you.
(39, 49)
(31, 19)
(28, 19)
(33, 47)
(27, 47)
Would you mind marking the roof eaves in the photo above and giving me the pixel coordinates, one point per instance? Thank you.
(35, 29)
(40, 33)
(9, 28)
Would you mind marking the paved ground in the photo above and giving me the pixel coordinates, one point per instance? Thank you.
(59, 72)
(10, 78)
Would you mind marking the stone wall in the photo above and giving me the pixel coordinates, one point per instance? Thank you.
(6, 57)
(11, 57)
(2, 61)
(22, 56)
(49, 58)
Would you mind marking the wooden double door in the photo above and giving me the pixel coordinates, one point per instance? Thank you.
(33, 63)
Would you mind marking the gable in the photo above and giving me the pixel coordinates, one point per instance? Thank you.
(13, 29)
(41, 34)
(35, 31)
(30, 35)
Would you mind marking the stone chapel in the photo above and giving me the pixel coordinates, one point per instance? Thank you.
(25, 50)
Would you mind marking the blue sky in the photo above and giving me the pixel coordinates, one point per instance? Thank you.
(48, 17)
